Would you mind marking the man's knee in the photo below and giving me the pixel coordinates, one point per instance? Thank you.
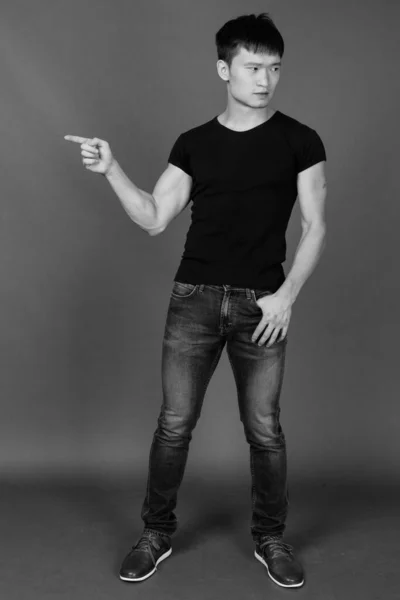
(265, 433)
(175, 428)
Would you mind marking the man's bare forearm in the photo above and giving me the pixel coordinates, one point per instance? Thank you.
(138, 204)
(307, 255)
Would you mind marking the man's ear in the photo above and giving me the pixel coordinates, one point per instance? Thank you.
(223, 70)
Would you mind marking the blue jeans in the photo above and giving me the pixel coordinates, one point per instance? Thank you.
(201, 319)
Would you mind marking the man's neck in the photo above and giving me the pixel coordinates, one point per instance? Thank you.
(242, 122)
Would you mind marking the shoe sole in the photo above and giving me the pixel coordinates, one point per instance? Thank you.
(162, 557)
(260, 558)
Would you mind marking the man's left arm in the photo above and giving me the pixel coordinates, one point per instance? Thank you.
(277, 307)
(312, 190)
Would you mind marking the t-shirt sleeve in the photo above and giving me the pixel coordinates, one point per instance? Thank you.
(311, 150)
(179, 155)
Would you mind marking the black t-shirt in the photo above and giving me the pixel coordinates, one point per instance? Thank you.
(244, 186)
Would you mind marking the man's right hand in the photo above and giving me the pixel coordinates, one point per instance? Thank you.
(96, 153)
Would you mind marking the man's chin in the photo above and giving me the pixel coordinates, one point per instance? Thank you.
(260, 98)
(261, 103)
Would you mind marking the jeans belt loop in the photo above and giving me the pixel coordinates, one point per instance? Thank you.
(248, 293)
(201, 288)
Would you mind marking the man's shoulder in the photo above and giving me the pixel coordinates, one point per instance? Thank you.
(283, 118)
(293, 125)
(304, 140)
(198, 131)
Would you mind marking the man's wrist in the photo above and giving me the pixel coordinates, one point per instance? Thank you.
(112, 169)
(288, 291)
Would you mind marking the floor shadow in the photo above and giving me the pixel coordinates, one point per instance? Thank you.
(208, 508)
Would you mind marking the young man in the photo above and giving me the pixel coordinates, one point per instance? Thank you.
(243, 171)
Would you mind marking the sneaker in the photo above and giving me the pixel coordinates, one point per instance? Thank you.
(141, 562)
(281, 565)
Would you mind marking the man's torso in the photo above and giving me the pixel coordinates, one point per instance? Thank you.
(244, 186)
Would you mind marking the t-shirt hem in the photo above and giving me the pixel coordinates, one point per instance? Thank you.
(271, 277)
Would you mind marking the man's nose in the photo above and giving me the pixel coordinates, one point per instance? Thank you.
(264, 82)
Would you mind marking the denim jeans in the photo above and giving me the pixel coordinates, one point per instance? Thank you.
(201, 319)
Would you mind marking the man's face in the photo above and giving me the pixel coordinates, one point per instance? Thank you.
(252, 78)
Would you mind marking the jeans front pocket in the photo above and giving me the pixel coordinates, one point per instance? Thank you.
(257, 294)
(183, 290)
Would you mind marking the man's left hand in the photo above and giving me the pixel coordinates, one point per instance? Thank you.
(277, 310)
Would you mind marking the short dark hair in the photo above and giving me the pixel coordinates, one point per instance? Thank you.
(252, 32)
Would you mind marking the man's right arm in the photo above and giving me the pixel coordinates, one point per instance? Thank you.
(152, 212)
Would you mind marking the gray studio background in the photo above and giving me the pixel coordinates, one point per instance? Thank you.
(84, 291)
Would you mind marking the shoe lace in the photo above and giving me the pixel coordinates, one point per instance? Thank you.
(277, 547)
(148, 542)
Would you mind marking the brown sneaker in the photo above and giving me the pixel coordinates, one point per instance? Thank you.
(141, 562)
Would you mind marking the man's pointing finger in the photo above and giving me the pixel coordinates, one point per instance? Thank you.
(76, 138)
